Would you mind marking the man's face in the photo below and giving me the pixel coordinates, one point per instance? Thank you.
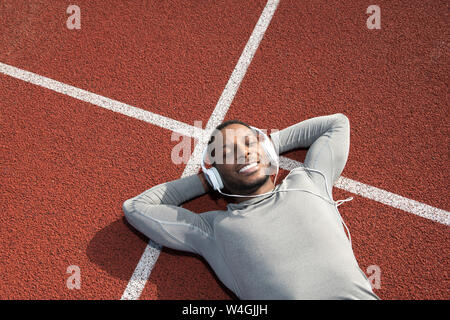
(240, 159)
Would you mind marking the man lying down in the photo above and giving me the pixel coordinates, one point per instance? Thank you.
(274, 241)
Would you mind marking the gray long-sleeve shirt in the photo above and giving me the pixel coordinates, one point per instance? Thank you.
(284, 245)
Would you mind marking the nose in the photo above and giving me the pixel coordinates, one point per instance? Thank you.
(246, 154)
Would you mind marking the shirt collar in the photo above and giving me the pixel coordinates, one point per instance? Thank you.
(251, 201)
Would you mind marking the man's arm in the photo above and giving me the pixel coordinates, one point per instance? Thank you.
(328, 139)
(156, 213)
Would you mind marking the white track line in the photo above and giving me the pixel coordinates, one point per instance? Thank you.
(240, 70)
(151, 252)
(142, 272)
(394, 200)
(98, 100)
(382, 196)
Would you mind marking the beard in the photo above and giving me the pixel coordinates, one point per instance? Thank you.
(242, 188)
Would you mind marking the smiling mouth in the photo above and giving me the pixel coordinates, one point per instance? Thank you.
(249, 168)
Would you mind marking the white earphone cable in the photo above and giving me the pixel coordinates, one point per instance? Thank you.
(334, 203)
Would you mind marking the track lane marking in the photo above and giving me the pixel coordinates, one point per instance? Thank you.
(152, 250)
(382, 196)
(100, 101)
(143, 269)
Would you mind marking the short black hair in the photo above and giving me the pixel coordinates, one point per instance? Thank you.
(223, 125)
(233, 121)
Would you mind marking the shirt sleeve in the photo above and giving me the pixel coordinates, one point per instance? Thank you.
(328, 139)
(157, 214)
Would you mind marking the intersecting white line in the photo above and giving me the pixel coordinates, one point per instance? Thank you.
(382, 196)
(98, 100)
(152, 250)
(143, 269)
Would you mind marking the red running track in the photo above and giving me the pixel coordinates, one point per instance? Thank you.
(67, 165)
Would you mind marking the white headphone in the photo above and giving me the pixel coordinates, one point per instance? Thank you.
(214, 179)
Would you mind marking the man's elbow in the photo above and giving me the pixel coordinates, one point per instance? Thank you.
(343, 118)
(128, 208)
(342, 123)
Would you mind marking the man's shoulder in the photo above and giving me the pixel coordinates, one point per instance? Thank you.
(300, 170)
(307, 179)
(298, 177)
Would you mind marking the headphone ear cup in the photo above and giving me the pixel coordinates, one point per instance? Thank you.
(212, 175)
(270, 150)
(218, 178)
(214, 179)
(207, 176)
(268, 147)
